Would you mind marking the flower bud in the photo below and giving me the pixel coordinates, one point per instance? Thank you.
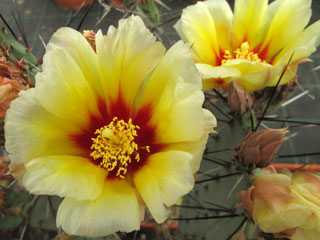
(258, 149)
(239, 100)
(286, 204)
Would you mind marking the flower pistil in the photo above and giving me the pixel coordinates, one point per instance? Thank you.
(115, 147)
(241, 53)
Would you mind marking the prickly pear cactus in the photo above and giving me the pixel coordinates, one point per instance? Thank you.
(212, 215)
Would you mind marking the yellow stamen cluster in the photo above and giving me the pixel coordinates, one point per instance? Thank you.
(115, 146)
(240, 53)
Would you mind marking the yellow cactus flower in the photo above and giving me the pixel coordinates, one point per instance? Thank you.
(110, 130)
(287, 204)
(251, 45)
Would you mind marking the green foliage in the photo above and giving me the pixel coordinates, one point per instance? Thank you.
(17, 49)
(8, 222)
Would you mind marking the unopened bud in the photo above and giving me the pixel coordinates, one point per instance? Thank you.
(90, 35)
(258, 149)
(239, 100)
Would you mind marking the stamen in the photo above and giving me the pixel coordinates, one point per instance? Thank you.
(115, 148)
(241, 53)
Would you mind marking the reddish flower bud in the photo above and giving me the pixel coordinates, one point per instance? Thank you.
(258, 149)
(239, 100)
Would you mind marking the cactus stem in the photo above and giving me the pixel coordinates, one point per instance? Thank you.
(203, 208)
(207, 217)
(218, 177)
(237, 229)
(217, 151)
(85, 16)
(218, 109)
(8, 26)
(288, 121)
(215, 204)
(220, 95)
(20, 27)
(218, 161)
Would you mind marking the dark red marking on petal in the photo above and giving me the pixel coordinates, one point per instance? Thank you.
(119, 108)
(103, 108)
(262, 53)
(219, 57)
(143, 115)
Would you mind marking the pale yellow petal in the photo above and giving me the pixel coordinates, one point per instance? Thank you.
(247, 22)
(222, 16)
(65, 176)
(31, 131)
(197, 28)
(290, 217)
(213, 77)
(195, 148)
(180, 119)
(305, 234)
(17, 170)
(207, 71)
(63, 90)
(127, 56)
(116, 209)
(254, 75)
(176, 66)
(163, 180)
(174, 93)
(284, 19)
(78, 48)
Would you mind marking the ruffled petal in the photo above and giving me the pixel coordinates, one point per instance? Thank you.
(176, 66)
(166, 177)
(196, 148)
(127, 56)
(197, 27)
(77, 47)
(65, 176)
(31, 131)
(116, 209)
(63, 92)
(174, 92)
(184, 120)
